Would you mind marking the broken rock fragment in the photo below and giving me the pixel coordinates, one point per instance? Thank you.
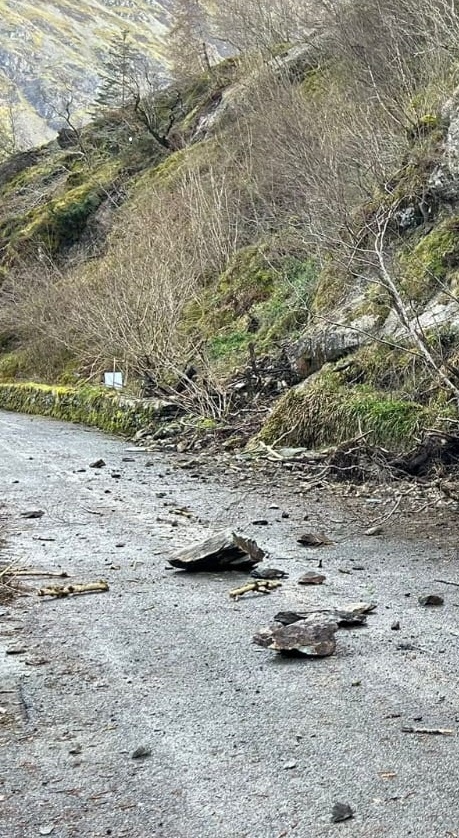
(311, 578)
(300, 638)
(341, 812)
(311, 539)
(346, 617)
(223, 551)
(33, 513)
(431, 599)
(268, 573)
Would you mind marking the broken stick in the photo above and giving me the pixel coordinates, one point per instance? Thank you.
(433, 731)
(263, 586)
(68, 590)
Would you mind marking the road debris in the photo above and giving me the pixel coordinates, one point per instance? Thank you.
(97, 464)
(376, 530)
(223, 551)
(341, 812)
(262, 586)
(33, 513)
(269, 573)
(68, 590)
(431, 599)
(395, 626)
(310, 539)
(431, 731)
(141, 752)
(51, 574)
(311, 578)
(302, 638)
(447, 582)
(346, 617)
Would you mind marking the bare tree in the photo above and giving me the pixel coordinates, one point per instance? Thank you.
(189, 46)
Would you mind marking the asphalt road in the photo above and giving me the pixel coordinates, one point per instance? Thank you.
(244, 744)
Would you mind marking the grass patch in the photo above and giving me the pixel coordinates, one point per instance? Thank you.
(325, 411)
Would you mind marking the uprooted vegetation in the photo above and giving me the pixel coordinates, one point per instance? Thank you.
(304, 205)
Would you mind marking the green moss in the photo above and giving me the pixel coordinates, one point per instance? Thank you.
(97, 407)
(231, 343)
(425, 265)
(325, 411)
(13, 364)
(333, 285)
(260, 298)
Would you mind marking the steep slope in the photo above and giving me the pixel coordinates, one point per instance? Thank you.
(50, 48)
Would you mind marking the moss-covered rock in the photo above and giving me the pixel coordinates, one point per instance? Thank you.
(103, 409)
(325, 410)
(424, 266)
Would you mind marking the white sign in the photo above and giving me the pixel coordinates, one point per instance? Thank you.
(113, 379)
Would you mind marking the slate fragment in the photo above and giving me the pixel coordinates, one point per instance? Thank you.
(222, 551)
(268, 573)
(311, 578)
(34, 513)
(301, 638)
(341, 812)
(311, 539)
(350, 615)
(431, 599)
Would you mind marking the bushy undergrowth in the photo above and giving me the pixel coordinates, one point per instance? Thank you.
(260, 206)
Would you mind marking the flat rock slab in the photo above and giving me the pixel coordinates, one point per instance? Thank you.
(311, 578)
(431, 600)
(341, 812)
(223, 551)
(312, 539)
(346, 617)
(269, 573)
(303, 638)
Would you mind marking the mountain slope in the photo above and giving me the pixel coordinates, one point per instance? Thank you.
(51, 48)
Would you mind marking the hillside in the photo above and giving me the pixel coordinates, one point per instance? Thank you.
(276, 235)
(50, 48)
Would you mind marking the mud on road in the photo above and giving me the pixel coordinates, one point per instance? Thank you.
(243, 743)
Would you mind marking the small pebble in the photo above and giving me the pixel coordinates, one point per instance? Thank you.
(141, 752)
(341, 812)
(431, 599)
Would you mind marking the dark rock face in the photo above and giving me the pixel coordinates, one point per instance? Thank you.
(67, 138)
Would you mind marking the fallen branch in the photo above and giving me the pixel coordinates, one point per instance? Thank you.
(447, 582)
(48, 573)
(433, 731)
(262, 586)
(67, 590)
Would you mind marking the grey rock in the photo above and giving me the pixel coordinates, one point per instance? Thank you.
(141, 752)
(431, 599)
(34, 513)
(223, 551)
(268, 573)
(300, 638)
(311, 578)
(341, 812)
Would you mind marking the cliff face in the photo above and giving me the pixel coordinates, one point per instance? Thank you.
(50, 48)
